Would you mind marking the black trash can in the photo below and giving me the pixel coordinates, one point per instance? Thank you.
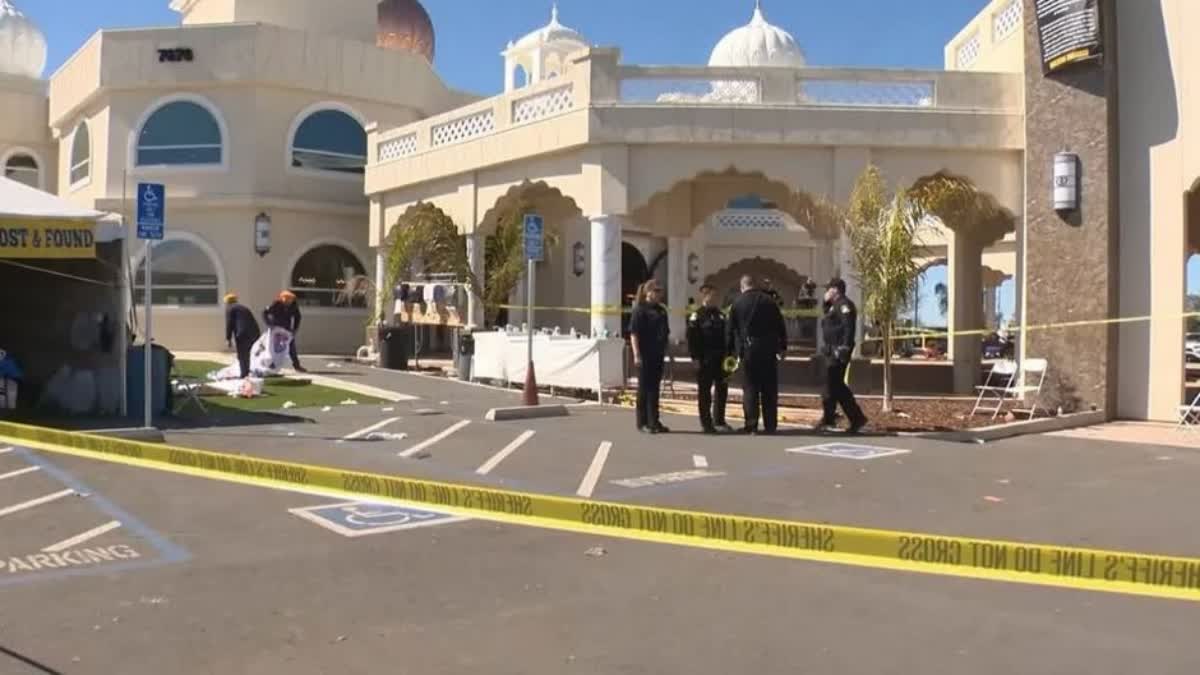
(395, 346)
(465, 350)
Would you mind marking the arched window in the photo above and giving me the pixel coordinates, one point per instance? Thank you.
(81, 154)
(520, 77)
(180, 133)
(184, 276)
(24, 169)
(329, 276)
(330, 140)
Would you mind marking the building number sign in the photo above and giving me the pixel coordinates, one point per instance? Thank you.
(176, 55)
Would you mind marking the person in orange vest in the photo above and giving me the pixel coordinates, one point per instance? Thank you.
(285, 313)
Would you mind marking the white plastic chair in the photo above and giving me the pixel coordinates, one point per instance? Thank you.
(994, 389)
(1023, 383)
(1189, 416)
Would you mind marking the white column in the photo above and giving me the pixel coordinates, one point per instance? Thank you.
(964, 275)
(476, 257)
(381, 312)
(606, 275)
(677, 286)
(989, 307)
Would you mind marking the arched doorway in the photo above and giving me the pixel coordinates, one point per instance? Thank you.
(634, 272)
(1191, 296)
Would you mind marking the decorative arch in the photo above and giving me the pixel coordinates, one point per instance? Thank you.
(79, 166)
(331, 290)
(1191, 215)
(19, 151)
(202, 244)
(718, 188)
(962, 207)
(785, 280)
(533, 192)
(202, 153)
(306, 115)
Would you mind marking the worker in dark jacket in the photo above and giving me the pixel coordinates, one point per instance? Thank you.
(757, 334)
(285, 313)
(648, 334)
(706, 346)
(838, 331)
(241, 331)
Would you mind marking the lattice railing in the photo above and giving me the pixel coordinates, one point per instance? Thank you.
(398, 147)
(745, 219)
(690, 91)
(868, 93)
(464, 128)
(968, 52)
(543, 105)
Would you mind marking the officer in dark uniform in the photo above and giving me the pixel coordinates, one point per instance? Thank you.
(838, 330)
(285, 313)
(758, 335)
(648, 334)
(241, 331)
(706, 346)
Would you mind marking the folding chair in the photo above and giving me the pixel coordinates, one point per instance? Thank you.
(1189, 416)
(188, 389)
(1032, 370)
(995, 388)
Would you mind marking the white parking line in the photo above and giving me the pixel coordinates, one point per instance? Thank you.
(588, 486)
(80, 538)
(503, 454)
(19, 472)
(374, 427)
(5, 450)
(430, 441)
(8, 510)
(700, 461)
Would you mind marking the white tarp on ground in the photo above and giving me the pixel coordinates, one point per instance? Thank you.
(559, 361)
(267, 357)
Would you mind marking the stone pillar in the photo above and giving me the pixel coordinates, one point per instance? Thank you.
(606, 275)
(476, 256)
(381, 312)
(849, 274)
(1071, 259)
(964, 274)
(677, 286)
(989, 307)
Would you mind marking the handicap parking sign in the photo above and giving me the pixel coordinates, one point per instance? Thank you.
(360, 519)
(849, 451)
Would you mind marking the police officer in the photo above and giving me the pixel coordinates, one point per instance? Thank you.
(648, 334)
(241, 331)
(706, 346)
(838, 330)
(758, 335)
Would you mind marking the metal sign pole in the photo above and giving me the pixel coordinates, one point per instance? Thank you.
(529, 309)
(148, 391)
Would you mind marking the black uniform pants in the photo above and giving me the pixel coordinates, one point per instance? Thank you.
(837, 393)
(650, 375)
(760, 390)
(295, 356)
(244, 346)
(710, 376)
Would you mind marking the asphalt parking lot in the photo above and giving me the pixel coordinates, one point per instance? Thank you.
(200, 576)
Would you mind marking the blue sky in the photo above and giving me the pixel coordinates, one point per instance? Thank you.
(471, 34)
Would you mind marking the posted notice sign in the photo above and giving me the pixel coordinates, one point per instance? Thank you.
(1069, 31)
(47, 239)
(151, 205)
(535, 249)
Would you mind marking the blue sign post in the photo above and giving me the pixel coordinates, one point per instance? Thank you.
(151, 227)
(535, 252)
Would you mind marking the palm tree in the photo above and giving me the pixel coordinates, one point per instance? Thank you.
(943, 298)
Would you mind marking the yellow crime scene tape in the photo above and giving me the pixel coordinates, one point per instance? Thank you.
(1059, 566)
(613, 310)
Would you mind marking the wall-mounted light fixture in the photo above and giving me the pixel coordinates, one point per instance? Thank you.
(578, 259)
(693, 268)
(1066, 182)
(262, 234)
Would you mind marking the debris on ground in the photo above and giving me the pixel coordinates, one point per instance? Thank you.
(349, 401)
(288, 405)
(384, 436)
(994, 500)
(327, 408)
(596, 552)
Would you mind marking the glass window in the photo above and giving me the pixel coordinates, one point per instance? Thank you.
(23, 169)
(180, 134)
(81, 154)
(330, 276)
(330, 140)
(184, 275)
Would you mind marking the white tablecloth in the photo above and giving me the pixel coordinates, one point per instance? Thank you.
(559, 361)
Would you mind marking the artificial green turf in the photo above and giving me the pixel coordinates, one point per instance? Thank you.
(276, 391)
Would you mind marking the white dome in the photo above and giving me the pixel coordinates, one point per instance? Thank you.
(758, 43)
(553, 32)
(22, 45)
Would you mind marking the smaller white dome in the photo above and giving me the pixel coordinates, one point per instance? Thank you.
(22, 44)
(758, 43)
(553, 32)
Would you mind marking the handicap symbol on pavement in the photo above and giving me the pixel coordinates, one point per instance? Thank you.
(849, 451)
(360, 519)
